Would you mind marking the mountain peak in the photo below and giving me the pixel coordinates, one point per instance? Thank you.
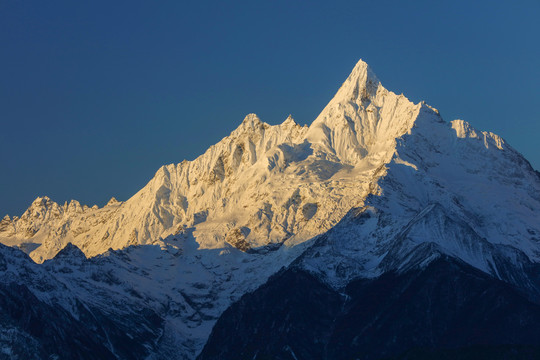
(251, 119)
(70, 251)
(112, 201)
(289, 121)
(362, 84)
(361, 67)
(39, 201)
(362, 119)
(40, 205)
(250, 123)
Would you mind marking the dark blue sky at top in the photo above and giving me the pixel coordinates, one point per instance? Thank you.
(96, 96)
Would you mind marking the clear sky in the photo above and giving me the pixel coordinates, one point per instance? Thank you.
(96, 95)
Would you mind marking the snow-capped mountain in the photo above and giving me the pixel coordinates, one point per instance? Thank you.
(376, 185)
(260, 185)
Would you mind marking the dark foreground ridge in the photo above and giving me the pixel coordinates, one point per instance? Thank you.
(33, 328)
(447, 310)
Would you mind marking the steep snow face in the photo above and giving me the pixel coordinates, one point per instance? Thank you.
(260, 185)
(448, 189)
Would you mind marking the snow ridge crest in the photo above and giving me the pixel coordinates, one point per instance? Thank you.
(263, 184)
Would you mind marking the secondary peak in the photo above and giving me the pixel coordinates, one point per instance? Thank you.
(289, 121)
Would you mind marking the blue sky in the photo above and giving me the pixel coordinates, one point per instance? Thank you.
(96, 96)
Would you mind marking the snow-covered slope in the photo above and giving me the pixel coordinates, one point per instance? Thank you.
(449, 188)
(43, 316)
(261, 184)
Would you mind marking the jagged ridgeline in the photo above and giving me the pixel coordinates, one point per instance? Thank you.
(377, 216)
(260, 185)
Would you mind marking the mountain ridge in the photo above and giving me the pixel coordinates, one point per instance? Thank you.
(375, 187)
(272, 181)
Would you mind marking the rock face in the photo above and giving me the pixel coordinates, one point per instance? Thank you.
(389, 232)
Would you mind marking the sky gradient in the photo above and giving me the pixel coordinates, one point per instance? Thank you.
(95, 97)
